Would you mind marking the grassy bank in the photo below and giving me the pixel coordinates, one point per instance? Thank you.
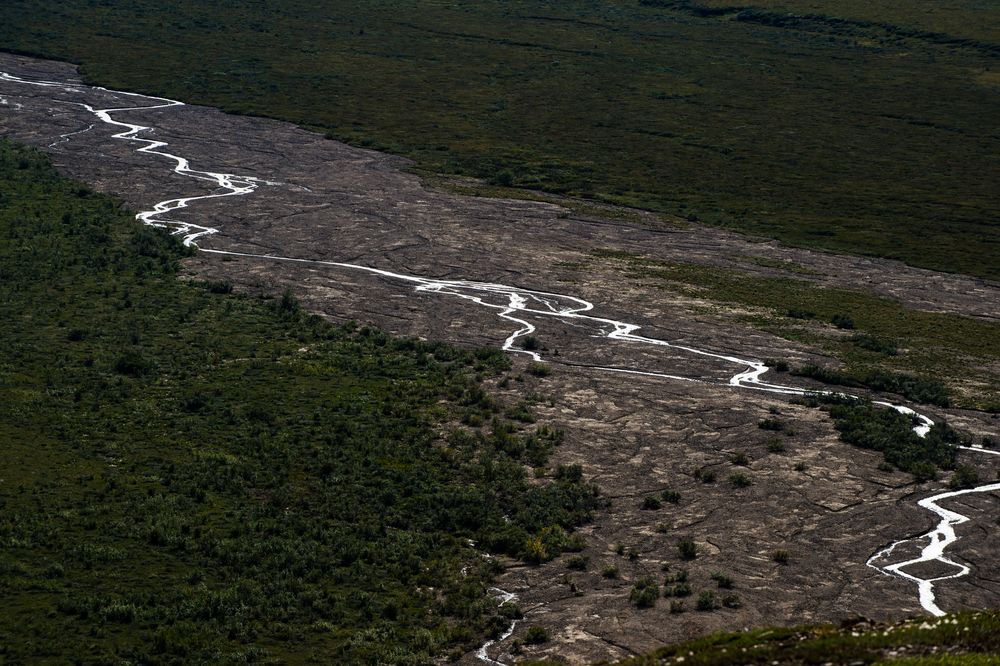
(193, 476)
(962, 639)
(857, 128)
(928, 357)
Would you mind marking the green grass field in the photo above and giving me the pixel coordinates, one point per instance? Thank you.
(859, 127)
(191, 476)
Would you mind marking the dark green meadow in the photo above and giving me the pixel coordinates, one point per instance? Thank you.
(191, 476)
(850, 126)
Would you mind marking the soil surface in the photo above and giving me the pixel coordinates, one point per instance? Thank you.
(823, 501)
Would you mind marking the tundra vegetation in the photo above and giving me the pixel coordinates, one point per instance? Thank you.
(963, 639)
(836, 124)
(192, 475)
(926, 357)
(870, 426)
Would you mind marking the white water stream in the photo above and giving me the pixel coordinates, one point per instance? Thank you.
(511, 303)
(502, 597)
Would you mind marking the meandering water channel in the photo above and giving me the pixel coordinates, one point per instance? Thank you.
(519, 306)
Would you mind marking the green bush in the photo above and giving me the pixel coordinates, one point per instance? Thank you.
(842, 321)
(502, 178)
(677, 590)
(740, 458)
(671, 496)
(770, 424)
(739, 480)
(707, 601)
(965, 476)
(928, 391)
(680, 576)
(539, 369)
(536, 635)
(289, 304)
(705, 475)
(510, 611)
(872, 343)
(644, 592)
(723, 581)
(651, 503)
(863, 424)
(569, 473)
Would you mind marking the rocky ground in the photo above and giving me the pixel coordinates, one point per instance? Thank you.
(822, 501)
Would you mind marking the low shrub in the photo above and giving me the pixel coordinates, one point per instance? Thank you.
(723, 581)
(707, 601)
(644, 593)
(872, 343)
(705, 475)
(671, 496)
(539, 369)
(739, 480)
(536, 635)
(687, 549)
(770, 424)
(965, 476)
(842, 321)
